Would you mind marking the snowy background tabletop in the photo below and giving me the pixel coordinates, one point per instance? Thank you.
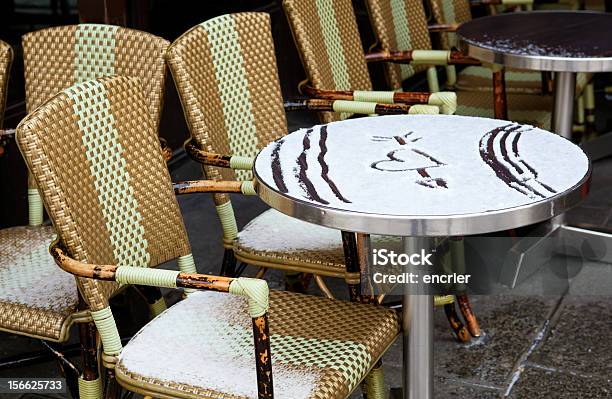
(419, 165)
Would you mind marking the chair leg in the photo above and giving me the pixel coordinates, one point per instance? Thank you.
(228, 267)
(90, 383)
(466, 311)
(373, 386)
(461, 333)
(154, 298)
(589, 109)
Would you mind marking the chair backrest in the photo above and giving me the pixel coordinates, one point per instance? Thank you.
(94, 154)
(58, 57)
(399, 25)
(6, 58)
(327, 39)
(227, 79)
(450, 12)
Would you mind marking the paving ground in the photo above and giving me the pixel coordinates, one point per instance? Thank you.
(533, 347)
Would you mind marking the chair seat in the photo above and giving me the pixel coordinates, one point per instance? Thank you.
(203, 347)
(37, 298)
(279, 241)
(524, 108)
(478, 78)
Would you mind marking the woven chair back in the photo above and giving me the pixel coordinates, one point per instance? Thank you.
(399, 25)
(327, 39)
(94, 153)
(227, 78)
(6, 58)
(58, 57)
(450, 12)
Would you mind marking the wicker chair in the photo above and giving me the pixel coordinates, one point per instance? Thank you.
(449, 14)
(226, 76)
(211, 105)
(36, 298)
(123, 219)
(309, 18)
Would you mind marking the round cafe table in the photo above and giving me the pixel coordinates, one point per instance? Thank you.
(421, 177)
(564, 42)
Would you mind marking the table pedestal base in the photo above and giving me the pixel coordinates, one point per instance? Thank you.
(528, 255)
(417, 332)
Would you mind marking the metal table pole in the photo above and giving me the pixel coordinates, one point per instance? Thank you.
(417, 333)
(563, 113)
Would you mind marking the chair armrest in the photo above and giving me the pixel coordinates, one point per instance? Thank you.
(235, 162)
(256, 292)
(446, 100)
(434, 28)
(214, 186)
(422, 57)
(359, 107)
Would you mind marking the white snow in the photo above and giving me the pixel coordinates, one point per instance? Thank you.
(195, 349)
(472, 185)
(29, 276)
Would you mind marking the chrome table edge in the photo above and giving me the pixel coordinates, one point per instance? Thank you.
(534, 62)
(422, 225)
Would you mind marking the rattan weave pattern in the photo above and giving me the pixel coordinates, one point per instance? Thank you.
(308, 27)
(55, 148)
(399, 25)
(449, 12)
(6, 58)
(58, 57)
(327, 345)
(478, 78)
(527, 109)
(36, 297)
(271, 238)
(214, 73)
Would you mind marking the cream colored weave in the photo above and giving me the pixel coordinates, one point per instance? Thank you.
(122, 208)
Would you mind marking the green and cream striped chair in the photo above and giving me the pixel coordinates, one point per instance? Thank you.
(36, 298)
(401, 25)
(117, 217)
(226, 76)
(453, 13)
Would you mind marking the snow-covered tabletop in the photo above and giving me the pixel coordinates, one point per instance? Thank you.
(420, 166)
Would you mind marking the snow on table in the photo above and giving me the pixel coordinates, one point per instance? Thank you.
(421, 165)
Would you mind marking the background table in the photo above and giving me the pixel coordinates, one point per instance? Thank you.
(421, 177)
(564, 42)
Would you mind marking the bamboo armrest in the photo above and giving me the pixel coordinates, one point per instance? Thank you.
(422, 57)
(254, 290)
(214, 186)
(434, 28)
(359, 107)
(446, 100)
(236, 162)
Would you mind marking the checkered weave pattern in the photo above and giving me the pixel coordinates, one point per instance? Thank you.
(327, 38)
(399, 25)
(450, 12)
(111, 201)
(225, 72)
(58, 57)
(270, 239)
(37, 298)
(320, 348)
(6, 58)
